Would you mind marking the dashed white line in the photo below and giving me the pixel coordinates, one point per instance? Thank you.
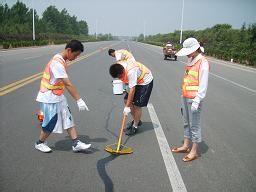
(170, 164)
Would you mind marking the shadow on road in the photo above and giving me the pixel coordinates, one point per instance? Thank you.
(66, 144)
(203, 147)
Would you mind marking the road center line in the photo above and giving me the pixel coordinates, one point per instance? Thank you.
(169, 161)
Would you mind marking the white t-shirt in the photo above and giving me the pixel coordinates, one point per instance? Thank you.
(57, 71)
(133, 75)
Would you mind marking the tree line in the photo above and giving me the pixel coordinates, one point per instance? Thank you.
(220, 41)
(54, 26)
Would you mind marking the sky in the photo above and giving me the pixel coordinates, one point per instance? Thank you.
(134, 17)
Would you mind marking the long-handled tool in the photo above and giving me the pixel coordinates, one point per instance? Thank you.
(118, 148)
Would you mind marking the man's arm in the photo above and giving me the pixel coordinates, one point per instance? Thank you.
(130, 97)
(71, 88)
(132, 78)
(74, 93)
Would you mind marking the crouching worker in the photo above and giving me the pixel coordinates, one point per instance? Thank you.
(53, 104)
(140, 83)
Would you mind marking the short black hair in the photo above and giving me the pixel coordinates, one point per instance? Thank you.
(75, 45)
(111, 51)
(116, 70)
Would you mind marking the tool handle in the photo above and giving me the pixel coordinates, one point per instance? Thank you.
(121, 132)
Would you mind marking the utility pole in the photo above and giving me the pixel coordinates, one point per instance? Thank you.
(34, 35)
(144, 30)
(181, 25)
(96, 33)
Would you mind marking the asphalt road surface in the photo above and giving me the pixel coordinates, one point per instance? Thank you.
(228, 153)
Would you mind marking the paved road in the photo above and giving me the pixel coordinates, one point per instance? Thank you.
(228, 158)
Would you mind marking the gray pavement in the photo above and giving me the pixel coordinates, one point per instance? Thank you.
(228, 154)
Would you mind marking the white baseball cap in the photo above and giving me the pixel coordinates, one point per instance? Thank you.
(190, 45)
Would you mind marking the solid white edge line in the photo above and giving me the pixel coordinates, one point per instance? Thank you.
(232, 82)
(169, 161)
(232, 65)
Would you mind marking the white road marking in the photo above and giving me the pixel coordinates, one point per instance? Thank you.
(32, 57)
(234, 66)
(169, 161)
(129, 47)
(234, 83)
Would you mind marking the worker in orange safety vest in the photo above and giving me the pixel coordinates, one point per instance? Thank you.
(139, 80)
(54, 111)
(194, 87)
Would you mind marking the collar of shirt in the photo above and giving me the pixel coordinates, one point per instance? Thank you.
(60, 57)
(190, 63)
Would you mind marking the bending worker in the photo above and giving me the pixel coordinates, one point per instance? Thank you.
(121, 55)
(53, 103)
(140, 83)
(194, 87)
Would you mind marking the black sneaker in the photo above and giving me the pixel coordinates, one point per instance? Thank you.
(131, 131)
(129, 126)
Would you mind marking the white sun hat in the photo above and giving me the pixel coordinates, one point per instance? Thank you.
(190, 45)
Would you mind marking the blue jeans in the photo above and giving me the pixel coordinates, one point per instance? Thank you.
(192, 128)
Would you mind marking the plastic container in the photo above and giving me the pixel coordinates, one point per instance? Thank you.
(117, 87)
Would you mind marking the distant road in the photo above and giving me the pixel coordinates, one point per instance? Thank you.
(228, 154)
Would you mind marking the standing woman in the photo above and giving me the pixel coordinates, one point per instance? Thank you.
(194, 87)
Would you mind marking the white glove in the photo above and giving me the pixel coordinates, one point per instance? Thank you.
(194, 106)
(82, 105)
(127, 110)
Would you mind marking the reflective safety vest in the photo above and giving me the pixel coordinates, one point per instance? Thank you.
(58, 87)
(126, 55)
(190, 84)
(131, 65)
